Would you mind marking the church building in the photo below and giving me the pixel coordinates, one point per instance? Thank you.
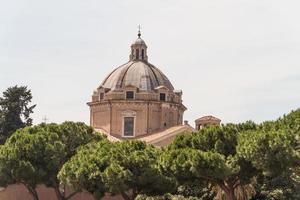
(136, 99)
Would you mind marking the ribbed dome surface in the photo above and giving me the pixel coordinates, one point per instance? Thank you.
(140, 74)
(139, 41)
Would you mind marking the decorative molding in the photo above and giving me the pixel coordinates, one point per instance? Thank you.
(128, 113)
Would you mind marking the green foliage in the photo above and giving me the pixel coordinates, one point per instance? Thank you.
(274, 151)
(73, 135)
(136, 161)
(34, 155)
(210, 155)
(290, 122)
(30, 159)
(168, 197)
(128, 168)
(220, 139)
(265, 155)
(14, 110)
(85, 170)
(201, 191)
(228, 159)
(189, 164)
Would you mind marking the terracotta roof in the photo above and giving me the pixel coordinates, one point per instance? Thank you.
(156, 138)
(208, 118)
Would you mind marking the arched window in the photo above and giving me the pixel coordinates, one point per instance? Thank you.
(142, 54)
(137, 54)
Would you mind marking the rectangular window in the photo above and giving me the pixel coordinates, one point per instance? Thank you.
(162, 97)
(101, 96)
(129, 95)
(128, 126)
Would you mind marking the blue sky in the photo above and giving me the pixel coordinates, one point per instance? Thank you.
(237, 60)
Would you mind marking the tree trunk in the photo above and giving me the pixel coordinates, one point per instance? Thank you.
(125, 196)
(33, 192)
(230, 194)
(62, 196)
(71, 195)
(35, 195)
(58, 194)
(228, 189)
(134, 193)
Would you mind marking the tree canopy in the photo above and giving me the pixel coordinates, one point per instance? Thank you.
(232, 162)
(15, 110)
(127, 168)
(210, 155)
(243, 160)
(274, 151)
(34, 155)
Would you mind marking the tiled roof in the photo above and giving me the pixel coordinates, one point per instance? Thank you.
(208, 118)
(156, 138)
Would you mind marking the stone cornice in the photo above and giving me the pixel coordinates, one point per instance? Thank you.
(135, 101)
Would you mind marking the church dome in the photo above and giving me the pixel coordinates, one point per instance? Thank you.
(139, 74)
(139, 41)
(136, 99)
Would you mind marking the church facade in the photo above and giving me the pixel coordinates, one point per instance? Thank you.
(136, 99)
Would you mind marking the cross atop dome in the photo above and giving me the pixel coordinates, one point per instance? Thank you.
(139, 32)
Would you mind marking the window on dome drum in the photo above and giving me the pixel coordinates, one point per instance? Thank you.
(129, 95)
(142, 54)
(136, 54)
(162, 97)
(101, 96)
(128, 126)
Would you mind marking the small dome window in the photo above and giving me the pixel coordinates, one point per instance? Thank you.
(162, 96)
(129, 95)
(101, 96)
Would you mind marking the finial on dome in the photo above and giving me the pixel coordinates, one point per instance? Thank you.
(139, 32)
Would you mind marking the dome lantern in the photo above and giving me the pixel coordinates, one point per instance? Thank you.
(139, 49)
